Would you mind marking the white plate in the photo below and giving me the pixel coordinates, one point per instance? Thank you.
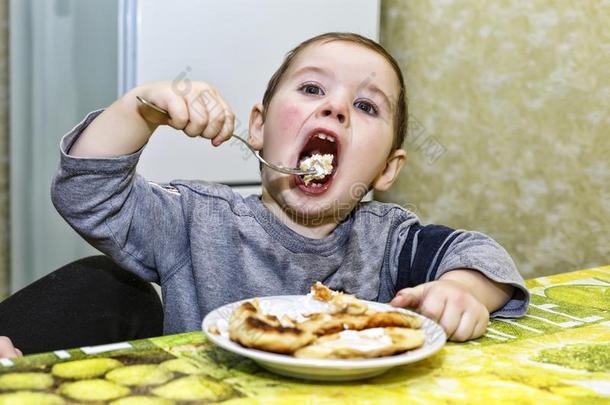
(320, 369)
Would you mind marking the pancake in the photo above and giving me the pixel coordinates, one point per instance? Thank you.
(328, 334)
(251, 328)
(363, 344)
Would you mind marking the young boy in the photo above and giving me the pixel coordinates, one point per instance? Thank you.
(338, 94)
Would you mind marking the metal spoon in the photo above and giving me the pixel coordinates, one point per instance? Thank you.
(282, 169)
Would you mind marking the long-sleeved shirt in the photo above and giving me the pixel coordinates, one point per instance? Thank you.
(208, 246)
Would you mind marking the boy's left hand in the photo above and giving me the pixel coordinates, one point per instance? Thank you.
(449, 303)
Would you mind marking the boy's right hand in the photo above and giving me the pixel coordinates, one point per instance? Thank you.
(125, 127)
(7, 349)
(198, 110)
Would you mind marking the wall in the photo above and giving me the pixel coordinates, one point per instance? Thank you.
(510, 123)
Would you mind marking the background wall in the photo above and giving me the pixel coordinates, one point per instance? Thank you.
(510, 127)
(510, 123)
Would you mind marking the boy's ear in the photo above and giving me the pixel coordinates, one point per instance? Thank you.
(390, 172)
(256, 127)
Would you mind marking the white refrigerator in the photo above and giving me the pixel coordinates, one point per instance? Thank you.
(72, 56)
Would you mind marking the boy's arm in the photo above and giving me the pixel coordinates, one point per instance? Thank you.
(491, 294)
(98, 192)
(138, 224)
(125, 127)
(119, 130)
(457, 278)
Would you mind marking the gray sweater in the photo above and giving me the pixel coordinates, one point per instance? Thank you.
(207, 246)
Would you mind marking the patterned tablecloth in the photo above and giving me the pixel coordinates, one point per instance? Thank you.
(558, 353)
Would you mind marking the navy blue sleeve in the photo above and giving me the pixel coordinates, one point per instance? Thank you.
(422, 253)
(425, 253)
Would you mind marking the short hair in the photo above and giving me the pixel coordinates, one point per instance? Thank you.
(400, 115)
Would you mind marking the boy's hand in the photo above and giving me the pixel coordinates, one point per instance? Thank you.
(198, 111)
(449, 303)
(126, 126)
(7, 349)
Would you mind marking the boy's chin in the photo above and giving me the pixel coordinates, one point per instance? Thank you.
(320, 207)
(332, 204)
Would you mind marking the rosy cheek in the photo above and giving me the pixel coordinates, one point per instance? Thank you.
(289, 119)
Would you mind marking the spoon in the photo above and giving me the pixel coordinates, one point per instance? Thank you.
(286, 170)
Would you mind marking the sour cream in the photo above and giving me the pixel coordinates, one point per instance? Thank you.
(297, 309)
(364, 340)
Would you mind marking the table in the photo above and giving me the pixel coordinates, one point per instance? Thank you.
(558, 353)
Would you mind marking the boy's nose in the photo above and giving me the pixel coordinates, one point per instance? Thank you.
(335, 112)
(340, 117)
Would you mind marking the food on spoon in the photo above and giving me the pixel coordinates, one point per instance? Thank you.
(322, 163)
(324, 334)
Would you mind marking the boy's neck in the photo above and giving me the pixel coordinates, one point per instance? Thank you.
(319, 230)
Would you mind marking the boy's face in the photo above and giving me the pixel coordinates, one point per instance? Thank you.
(346, 93)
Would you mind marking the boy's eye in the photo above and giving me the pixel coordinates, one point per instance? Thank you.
(312, 89)
(366, 106)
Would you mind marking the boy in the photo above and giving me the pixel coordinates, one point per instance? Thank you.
(338, 94)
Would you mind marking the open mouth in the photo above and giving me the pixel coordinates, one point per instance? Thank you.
(321, 152)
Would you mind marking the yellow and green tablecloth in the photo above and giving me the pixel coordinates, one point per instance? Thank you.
(558, 353)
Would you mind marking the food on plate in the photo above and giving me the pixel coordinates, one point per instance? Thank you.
(344, 327)
(366, 343)
(321, 292)
(250, 327)
(322, 324)
(322, 163)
